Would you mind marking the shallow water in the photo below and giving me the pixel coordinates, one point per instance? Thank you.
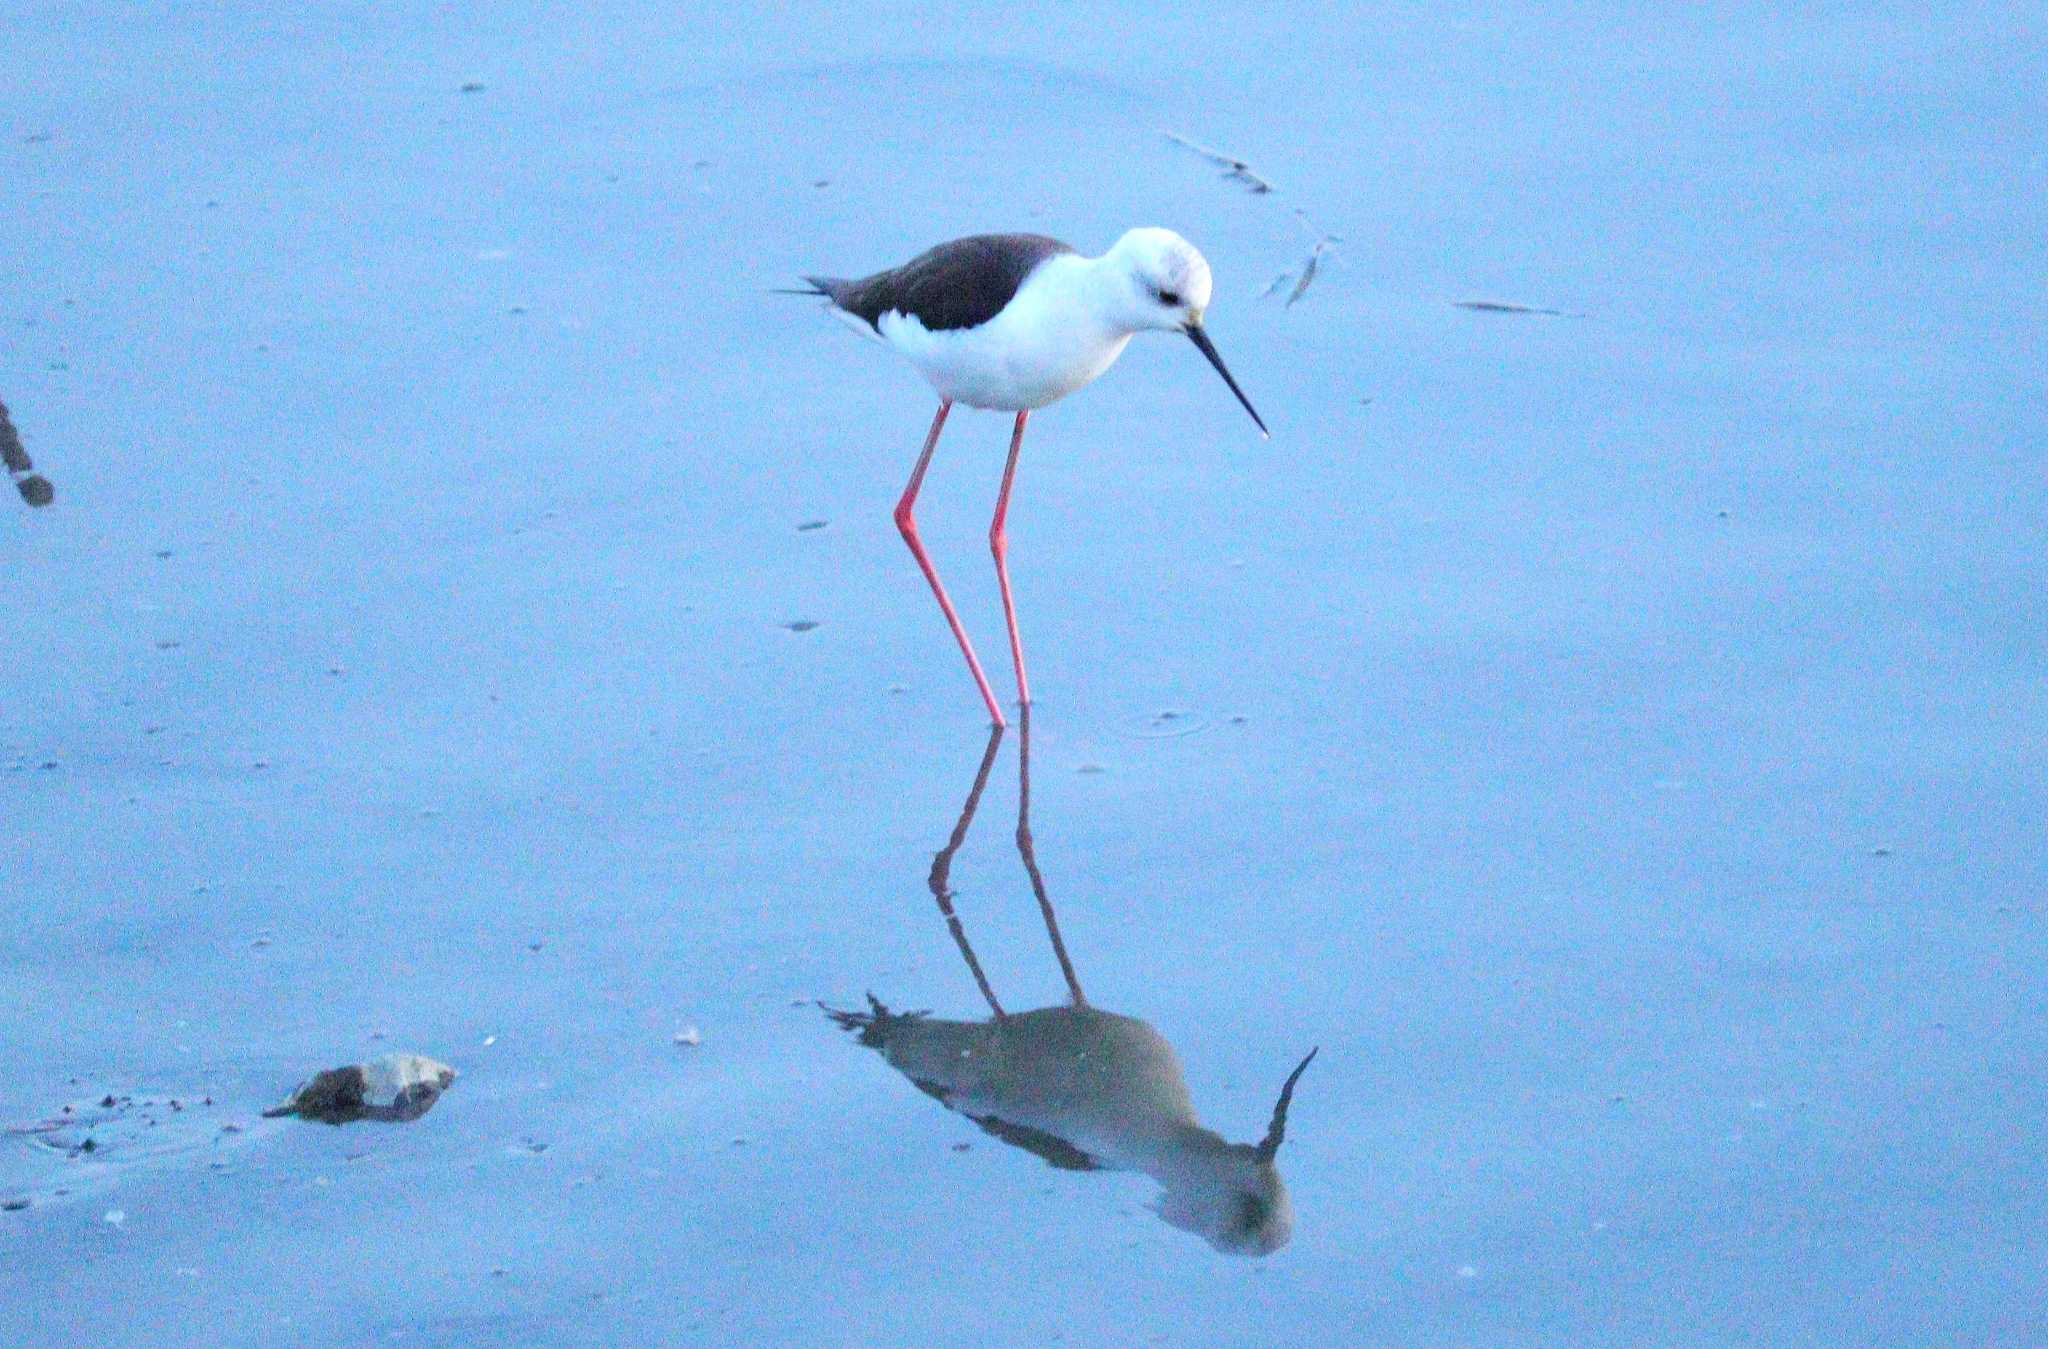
(1614, 738)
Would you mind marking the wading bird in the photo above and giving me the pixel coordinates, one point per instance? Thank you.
(1014, 322)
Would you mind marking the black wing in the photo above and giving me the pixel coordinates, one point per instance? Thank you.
(962, 284)
(1051, 1147)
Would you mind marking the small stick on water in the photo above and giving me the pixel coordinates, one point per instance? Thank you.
(1308, 274)
(1316, 232)
(1240, 171)
(35, 489)
(1234, 168)
(1504, 307)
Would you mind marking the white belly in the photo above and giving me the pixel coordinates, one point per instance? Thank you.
(1041, 348)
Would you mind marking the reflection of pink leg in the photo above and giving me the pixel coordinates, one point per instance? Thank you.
(1029, 851)
(999, 544)
(907, 523)
(941, 877)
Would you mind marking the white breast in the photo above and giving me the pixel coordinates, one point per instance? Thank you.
(1046, 343)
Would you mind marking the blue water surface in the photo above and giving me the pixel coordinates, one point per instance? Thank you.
(1615, 737)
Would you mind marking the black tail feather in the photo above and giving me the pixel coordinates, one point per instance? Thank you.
(874, 1025)
(825, 287)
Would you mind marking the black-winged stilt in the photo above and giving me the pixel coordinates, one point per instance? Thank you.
(1014, 322)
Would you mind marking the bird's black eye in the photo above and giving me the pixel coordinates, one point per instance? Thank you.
(1170, 298)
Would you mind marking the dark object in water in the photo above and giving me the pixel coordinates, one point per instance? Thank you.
(396, 1087)
(1234, 169)
(35, 489)
(1308, 273)
(1505, 307)
(1325, 243)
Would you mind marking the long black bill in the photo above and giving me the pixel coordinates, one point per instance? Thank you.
(1277, 1131)
(1200, 338)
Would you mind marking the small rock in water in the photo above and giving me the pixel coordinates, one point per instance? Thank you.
(395, 1087)
(13, 1205)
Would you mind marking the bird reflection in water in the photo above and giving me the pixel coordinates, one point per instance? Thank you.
(1083, 1088)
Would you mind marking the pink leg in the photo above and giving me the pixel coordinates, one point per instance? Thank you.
(999, 544)
(907, 523)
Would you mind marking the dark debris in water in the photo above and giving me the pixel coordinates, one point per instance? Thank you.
(1169, 723)
(801, 624)
(1311, 266)
(809, 525)
(110, 1123)
(35, 489)
(397, 1087)
(1234, 169)
(1508, 307)
(1308, 273)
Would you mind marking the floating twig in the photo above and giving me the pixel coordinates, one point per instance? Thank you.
(1506, 307)
(1238, 170)
(1316, 231)
(1234, 169)
(1308, 273)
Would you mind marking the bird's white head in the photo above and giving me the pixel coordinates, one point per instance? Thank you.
(1155, 280)
(1158, 281)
